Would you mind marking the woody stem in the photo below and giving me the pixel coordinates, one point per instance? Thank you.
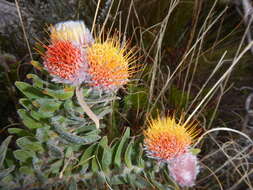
(85, 107)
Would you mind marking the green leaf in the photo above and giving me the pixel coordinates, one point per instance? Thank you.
(69, 152)
(128, 154)
(73, 184)
(56, 166)
(74, 138)
(62, 94)
(26, 170)
(28, 120)
(140, 161)
(6, 172)
(38, 82)
(117, 180)
(178, 97)
(19, 132)
(131, 178)
(40, 116)
(26, 103)
(86, 128)
(30, 91)
(94, 164)
(141, 183)
(158, 185)
(155, 182)
(137, 98)
(27, 144)
(48, 105)
(23, 155)
(3, 150)
(87, 155)
(117, 158)
(74, 111)
(103, 142)
(54, 150)
(42, 134)
(106, 158)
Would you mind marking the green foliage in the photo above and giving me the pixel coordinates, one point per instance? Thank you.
(60, 145)
(3, 150)
(137, 98)
(177, 98)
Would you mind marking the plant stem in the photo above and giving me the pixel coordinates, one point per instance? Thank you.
(84, 105)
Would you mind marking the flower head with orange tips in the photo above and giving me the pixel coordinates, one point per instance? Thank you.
(166, 139)
(169, 141)
(110, 63)
(65, 57)
(74, 57)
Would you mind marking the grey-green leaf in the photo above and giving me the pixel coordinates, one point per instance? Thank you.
(27, 144)
(87, 155)
(19, 132)
(128, 153)
(73, 184)
(62, 94)
(6, 172)
(23, 155)
(28, 120)
(117, 158)
(3, 150)
(30, 91)
(74, 138)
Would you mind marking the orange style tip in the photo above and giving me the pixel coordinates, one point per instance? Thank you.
(37, 65)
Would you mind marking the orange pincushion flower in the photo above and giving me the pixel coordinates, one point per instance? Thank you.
(110, 65)
(65, 57)
(166, 139)
(64, 61)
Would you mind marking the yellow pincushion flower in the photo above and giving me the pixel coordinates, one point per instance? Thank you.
(110, 64)
(166, 139)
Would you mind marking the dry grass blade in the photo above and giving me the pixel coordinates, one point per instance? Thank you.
(23, 28)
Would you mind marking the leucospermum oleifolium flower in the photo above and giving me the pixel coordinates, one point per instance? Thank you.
(169, 141)
(65, 56)
(74, 57)
(111, 63)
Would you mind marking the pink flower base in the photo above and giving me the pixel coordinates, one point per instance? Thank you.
(184, 169)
